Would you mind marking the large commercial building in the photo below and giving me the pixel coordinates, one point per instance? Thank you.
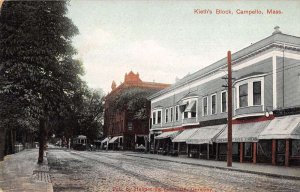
(190, 117)
(127, 113)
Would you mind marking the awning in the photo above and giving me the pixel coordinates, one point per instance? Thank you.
(244, 132)
(191, 107)
(169, 134)
(105, 140)
(81, 137)
(206, 134)
(114, 139)
(183, 136)
(287, 127)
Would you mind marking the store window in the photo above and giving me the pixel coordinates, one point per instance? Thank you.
(295, 147)
(248, 150)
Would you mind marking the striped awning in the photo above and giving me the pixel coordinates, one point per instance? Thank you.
(183, 136)
(206, 134)
(169, 134)
(287, 127)
(244, 132)
(105, 140)
(114, 139)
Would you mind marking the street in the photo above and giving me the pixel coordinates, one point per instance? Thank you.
(115, 171)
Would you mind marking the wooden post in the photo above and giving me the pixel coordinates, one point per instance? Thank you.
(207, 150)
(154, 144)
(217, 151)
(229, 132)
(287, 153)
(241, 152)
(178, 148)
(273, 152)
(254, 152)
(187, 149)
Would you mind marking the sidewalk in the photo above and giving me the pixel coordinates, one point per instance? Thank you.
(268, 170)
(20, 172)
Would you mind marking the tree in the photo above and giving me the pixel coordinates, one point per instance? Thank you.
(36, 58)
(134, 100)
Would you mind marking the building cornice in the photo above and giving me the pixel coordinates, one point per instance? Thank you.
(281, 41)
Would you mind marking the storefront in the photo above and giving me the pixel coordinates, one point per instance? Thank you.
(283, 136)
(115, 143)
(201, 145)
(179, 141)
(244, 139)
(163, 142)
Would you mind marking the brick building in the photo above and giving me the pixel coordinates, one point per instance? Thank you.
(122, 128)
(190, 117)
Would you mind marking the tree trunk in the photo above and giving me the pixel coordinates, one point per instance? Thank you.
(41, 140)
(2, 143)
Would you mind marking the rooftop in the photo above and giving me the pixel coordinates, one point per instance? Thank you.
(276, 39)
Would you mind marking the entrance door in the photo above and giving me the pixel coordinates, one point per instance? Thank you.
(280, 155)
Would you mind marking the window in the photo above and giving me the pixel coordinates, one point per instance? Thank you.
(176, 113)
(190, 110)
(167, 115)
(205, 106)
(243, 95)
(295, 148)
(129, 126)
(186, 115)
(213, 104)
(257, 93)
(171, 114)
(250, 91)
(153, 118)
(223, 101)
(158, 117)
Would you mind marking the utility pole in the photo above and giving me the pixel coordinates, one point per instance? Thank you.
(229, 121)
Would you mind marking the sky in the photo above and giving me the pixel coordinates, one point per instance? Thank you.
(165, 40)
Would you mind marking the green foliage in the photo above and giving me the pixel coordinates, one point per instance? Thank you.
(37, 69)
(134, 100)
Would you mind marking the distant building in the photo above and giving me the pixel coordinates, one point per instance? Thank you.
(190, 117)
(122, 128)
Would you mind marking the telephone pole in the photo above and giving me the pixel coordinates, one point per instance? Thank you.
(229, 121)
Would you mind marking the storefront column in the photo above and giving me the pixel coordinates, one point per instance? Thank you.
(154, 144)
(217, 151)
(178, 148)
(273, 152)
(287, 153)
(207, 150)
(187, 149)
(241, 152)
(254, 152)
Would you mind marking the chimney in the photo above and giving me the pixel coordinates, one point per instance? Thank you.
(276, 30)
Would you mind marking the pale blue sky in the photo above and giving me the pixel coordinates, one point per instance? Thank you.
(165, 39)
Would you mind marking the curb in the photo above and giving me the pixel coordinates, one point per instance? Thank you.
(42, 174)
(222, 168)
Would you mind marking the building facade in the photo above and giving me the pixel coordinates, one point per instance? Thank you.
(122, 128)
(190, 117)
